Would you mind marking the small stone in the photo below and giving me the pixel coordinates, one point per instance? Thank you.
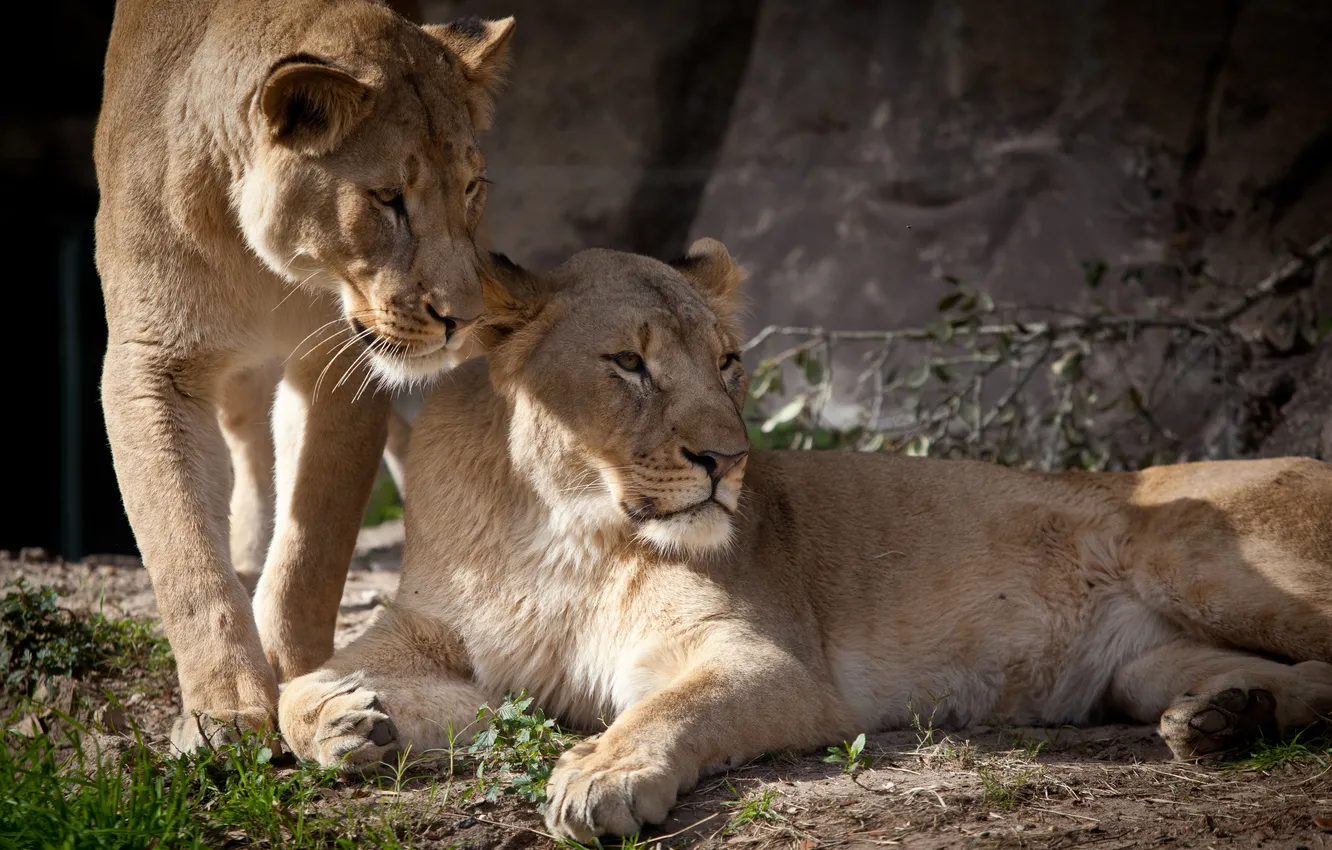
(113, 720)
(29, 726)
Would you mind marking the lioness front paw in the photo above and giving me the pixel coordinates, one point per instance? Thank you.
(204, 729)
(338, 724)
(598, 788)
(1218, 724)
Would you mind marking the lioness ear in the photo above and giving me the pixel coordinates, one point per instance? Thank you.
(513, 297)
(709, 267)
(311, 106)
(483, 48)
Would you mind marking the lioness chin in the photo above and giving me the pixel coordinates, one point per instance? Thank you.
(290, 198)
(577, 526)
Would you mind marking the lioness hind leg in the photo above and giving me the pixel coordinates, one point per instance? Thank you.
(1216, 703)
(245, 413)
(397, 689)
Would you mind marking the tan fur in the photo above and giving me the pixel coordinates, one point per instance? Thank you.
(846, 590)
(248, 153)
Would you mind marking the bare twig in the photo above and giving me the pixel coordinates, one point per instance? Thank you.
(954, 395)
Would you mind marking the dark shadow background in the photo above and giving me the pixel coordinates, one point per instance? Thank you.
(848, 153)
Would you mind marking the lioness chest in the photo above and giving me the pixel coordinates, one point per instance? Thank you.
(587, 641)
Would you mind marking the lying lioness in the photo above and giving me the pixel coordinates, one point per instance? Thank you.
(577, 526)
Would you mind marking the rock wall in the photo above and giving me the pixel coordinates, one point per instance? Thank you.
(851, 154)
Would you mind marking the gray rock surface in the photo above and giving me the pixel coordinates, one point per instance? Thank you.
(852, 154)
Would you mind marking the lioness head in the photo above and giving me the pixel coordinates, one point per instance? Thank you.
(627, 386)
(366, 177)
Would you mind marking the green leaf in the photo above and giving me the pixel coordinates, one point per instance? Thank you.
(1067, 364)
(918, 376)
(769, 379)
(950, 301)
(1092, 272)
(813, 371)
(787, 413)
(917, 446)
(942, 331)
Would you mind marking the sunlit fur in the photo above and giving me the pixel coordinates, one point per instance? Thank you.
(248, 153)
(854, 591)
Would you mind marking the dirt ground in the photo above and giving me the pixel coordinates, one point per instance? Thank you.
(1104, 787)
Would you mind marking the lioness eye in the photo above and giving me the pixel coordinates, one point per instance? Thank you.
(474, 185)
(629, 361)
(729, 359)
(391, 198)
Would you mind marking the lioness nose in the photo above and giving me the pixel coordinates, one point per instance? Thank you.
(716, 464)
(451, 324)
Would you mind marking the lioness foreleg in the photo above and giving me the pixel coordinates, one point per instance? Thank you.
(1214, 702)
(171, 462)
(727, 709)
(402, 687)
(328, 450)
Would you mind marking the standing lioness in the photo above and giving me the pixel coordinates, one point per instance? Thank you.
(577, 525)
(290, 188)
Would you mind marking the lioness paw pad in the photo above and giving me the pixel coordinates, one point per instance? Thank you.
(594, 792)
(354, 732)
(199, 730)
(1218, 724)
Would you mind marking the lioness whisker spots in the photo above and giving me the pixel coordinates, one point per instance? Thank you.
(333, 358)
(612, 545)
(370, 375)
(364, 355)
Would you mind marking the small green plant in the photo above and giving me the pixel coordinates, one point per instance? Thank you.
(851, 756)
(755, 808)
(1001, 789)
(1028, 744)
(39, 640)
(516, 750)
(1271, 756)
(924, 727)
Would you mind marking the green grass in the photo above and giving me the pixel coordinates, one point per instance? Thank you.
(751, 809)
(1003, 790)
(65, 797)
(1302, 749)
(40, 641)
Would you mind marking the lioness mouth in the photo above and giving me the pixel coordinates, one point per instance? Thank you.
(371, 338)
(646, 509)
